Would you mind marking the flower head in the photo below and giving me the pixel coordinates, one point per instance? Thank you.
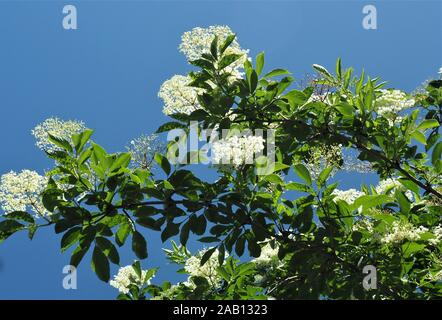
(389, 103)
(22, 191)
(127, 277)
(209, 270)
(348, 196)
(236, 150)
(197, 42)
(57, 128)
(178, 96)
(401, 231)
(143, 149)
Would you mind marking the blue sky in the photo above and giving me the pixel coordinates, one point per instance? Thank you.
(108, 71)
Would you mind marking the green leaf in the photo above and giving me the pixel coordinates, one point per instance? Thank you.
(298, 187)
(122, 233)
(369, 201)
(20, 215)
(69, 238)
(437, 152)
(61, 143)
(323, 176)
(122, 161)
(427, 124)
(139, 245)
(227, 60)
(303, 173)
(163, 162)
(259, 63)
(10, 226)
(148, 222)
(239, 246)
(276, 72)
(322, 70)
(78, 255)
(172, 229)
(206, 256)
(419, 136)
(108, 249)
(170, 126)
(214, 47)
(227, 43)
(81, 139)
(184, 235)
(339, 68)
(100, 264)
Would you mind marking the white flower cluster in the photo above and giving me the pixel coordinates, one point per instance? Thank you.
(348, 196)
(208, 270)
(363, 225)
(390, 185)
(143, 149)
(267, 255)
(237, 150)
(401, 231)
(57, 128)
(126, 277)
(197, 42)
(440, 71)
(22, 191)
(437, 231)
(390, 102)
(178, 96)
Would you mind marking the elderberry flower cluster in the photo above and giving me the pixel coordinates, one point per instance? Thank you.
(348, 196)
(127, 277)
(389, 103)
(236, 150)
(22, 191)
(402, 230)
(390, 185)
(209, 270)
(268, 255)
(197, 42)
(178, 96)
(143, 149)
(322, 156)
(58, 128)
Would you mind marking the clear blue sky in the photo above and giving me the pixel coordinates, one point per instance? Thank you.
(107, 73)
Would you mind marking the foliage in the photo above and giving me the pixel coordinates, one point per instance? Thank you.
(320, 242)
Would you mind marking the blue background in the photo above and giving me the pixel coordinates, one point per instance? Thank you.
(108, 72)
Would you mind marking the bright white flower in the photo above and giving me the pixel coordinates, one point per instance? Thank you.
(143, 149)
(323, 156)
(390, 185)
(348, 196)
(178, 96)
(22, 191)
(401, 231)
(57, 128)
(267, 255)
(208, 270)
(437, 231)
(440, 71)
(363, 225)
(389, 103)
(236, 150)
(126, 277)
(197, 42)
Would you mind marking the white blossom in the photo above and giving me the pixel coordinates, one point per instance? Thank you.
(126, 277)
(178, 96)
(437, 231)
(401, 231)
(440, 71)
(209, 270)
(57, 128)
(267, 255)
(390, 185)
(197, 42)
(22, 191)
(389, 103)
(143, 149)
(236, 150)
(348, 196)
